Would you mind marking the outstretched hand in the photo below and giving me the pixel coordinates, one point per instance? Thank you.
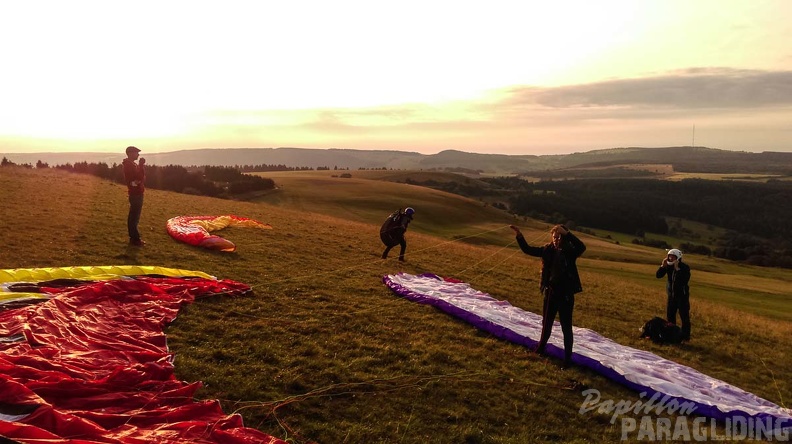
(516, 230)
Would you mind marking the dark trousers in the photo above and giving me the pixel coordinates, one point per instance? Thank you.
(135, 208)
(390, 243)
(681, 305)
(561, 303)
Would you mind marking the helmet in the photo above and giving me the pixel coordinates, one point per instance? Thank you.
(675, 252)
(409, 211)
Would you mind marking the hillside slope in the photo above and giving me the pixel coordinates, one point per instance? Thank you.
(324, 352)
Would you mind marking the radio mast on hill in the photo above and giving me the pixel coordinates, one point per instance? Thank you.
(694, 136)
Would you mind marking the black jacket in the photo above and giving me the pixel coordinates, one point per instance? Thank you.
(394, 227)
(571, 248)
(677, 285)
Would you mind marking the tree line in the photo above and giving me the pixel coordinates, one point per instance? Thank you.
(213, 181)
(756, 215)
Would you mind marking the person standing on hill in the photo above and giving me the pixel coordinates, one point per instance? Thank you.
(678, 278)
(393, 229)
(135, 178)
(559, 283)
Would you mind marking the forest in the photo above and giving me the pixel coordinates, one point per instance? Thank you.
(756, 215)
(213, 181)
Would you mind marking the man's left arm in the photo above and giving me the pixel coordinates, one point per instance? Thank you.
(578, 247)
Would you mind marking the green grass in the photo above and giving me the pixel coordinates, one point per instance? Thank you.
(369, 196)
(322, 351)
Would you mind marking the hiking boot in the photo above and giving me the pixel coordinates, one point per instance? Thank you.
(137, 242)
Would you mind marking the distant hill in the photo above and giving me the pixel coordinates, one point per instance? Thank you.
(687, 159)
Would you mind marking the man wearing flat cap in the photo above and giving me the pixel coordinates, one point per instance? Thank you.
(678, 277)
(135, 178)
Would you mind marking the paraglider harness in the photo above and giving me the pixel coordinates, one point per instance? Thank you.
(661, 331)
(393, 229)
(397, 216)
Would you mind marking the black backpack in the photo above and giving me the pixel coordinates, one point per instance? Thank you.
(661, 331)
(396, 216)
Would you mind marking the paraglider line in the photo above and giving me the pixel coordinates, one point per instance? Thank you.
(494, 266)
(500, 262)
(460, 239)
(383, 385)
(487, 258)
(775, 383)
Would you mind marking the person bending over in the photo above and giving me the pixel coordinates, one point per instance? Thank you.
(393, 229)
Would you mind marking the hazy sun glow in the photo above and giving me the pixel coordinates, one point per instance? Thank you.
(413, 75)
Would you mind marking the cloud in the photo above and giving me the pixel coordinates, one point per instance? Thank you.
(695, 88)
(730, 109)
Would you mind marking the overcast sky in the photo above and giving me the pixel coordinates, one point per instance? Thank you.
(511, 77)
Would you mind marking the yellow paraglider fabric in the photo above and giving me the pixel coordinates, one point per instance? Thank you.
(86, 273)
(92, 273)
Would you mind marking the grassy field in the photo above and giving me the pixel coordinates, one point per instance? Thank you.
(741, 177)
(323, 352)
(689, 231)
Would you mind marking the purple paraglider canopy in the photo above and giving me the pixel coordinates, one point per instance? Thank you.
(638, 369)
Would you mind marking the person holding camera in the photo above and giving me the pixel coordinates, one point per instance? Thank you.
(135, 178)
(677, 274)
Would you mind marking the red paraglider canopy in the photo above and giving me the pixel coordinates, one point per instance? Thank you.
(88, 363)
(195, 230)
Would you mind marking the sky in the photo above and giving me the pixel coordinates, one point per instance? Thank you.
(506, 77)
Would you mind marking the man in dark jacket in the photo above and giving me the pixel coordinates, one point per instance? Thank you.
(393, 229)
(678, 277)
(135, 178)
(559, 283)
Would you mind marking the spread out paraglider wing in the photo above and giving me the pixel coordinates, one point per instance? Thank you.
(637, 369)
(88, 358)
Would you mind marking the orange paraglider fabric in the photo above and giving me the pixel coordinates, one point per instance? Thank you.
(194, 230)
(89, 362)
